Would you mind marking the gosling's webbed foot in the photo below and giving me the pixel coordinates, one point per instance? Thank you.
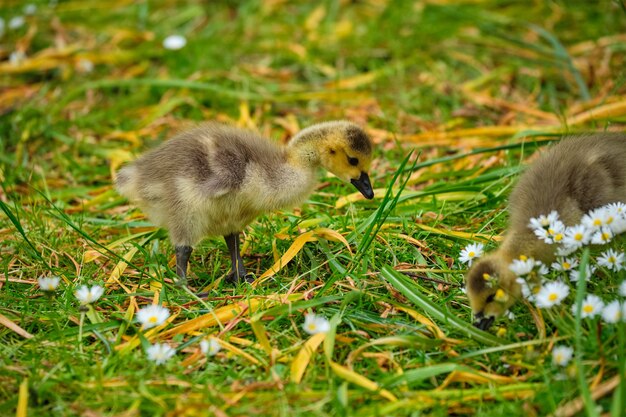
(238, 272)
(234, 278)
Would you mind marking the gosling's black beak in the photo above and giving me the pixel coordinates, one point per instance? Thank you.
(482, 322)
(364, 186)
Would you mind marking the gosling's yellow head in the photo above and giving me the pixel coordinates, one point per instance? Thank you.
(344, 149)
(491, 289)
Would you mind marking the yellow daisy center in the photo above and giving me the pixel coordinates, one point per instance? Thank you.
(558, 237)
(553, 297)
(578, 236)
(597, 222)
(486, 276)
(566, 265)
(152, 319)
(500, 295)
(523, 257)
(471, 254)
(588, 308)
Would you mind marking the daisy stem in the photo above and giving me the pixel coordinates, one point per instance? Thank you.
(590, 406)
(80, 331)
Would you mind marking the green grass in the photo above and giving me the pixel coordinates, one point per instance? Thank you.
(471, 88)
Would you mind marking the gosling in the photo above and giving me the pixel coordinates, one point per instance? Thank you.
(215, 179)
(576, 175)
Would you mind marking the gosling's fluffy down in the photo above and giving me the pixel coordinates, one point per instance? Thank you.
(576, 175)
(215, 179)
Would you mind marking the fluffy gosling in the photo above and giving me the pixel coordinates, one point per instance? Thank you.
(215, 179)
(576, 175)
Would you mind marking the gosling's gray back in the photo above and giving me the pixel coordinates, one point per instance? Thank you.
(213, 155)
(576, 175)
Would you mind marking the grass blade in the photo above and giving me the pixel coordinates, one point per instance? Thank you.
(409, 290)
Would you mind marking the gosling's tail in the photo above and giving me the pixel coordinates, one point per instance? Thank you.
(126, 182)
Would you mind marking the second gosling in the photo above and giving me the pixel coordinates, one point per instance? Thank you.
(215, 179)
(576, 175)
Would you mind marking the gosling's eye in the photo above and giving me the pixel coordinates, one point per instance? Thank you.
(490, 298)
(353, 161)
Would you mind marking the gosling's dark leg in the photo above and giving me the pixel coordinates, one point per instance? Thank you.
(238, 270)
(182, 259)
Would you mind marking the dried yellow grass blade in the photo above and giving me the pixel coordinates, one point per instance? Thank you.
(92, 254)
(332, 235)
(296, 247)
(463, 235)
(119, 269)
(477, 377)
(22, 400)
(5, 321)
(300, 363)
(601, 112)
(259, 331)
(379, 192)
(462, 133)
(360, 380)
(577, 405)
(436, 331)
(228, 312)
(355, 81)
(238, 352)
(220, 315)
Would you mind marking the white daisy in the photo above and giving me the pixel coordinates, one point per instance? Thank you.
(471, 252)
(210, 347)
(597, 218)
(17, 57)
(543, 221)
(551, 294)
(612, 260)
(315, 324)
(574, 274)
(592, 306)
(561, 355)
(48, 283)
(30, 9)
(160, 353)
(174, 42)
(88, 295)
(577, 236)
(602, 236)
(566, 250)
(622, 289)
(618, 211)
(565, 264)
(16, 22)
(522, 266)
(618, 208)
(528, 291)
(528, 267)
(152, 315)
(554, 233)
(84, 65)
(612, 312)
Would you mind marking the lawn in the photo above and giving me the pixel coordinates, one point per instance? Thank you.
(457, 97)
